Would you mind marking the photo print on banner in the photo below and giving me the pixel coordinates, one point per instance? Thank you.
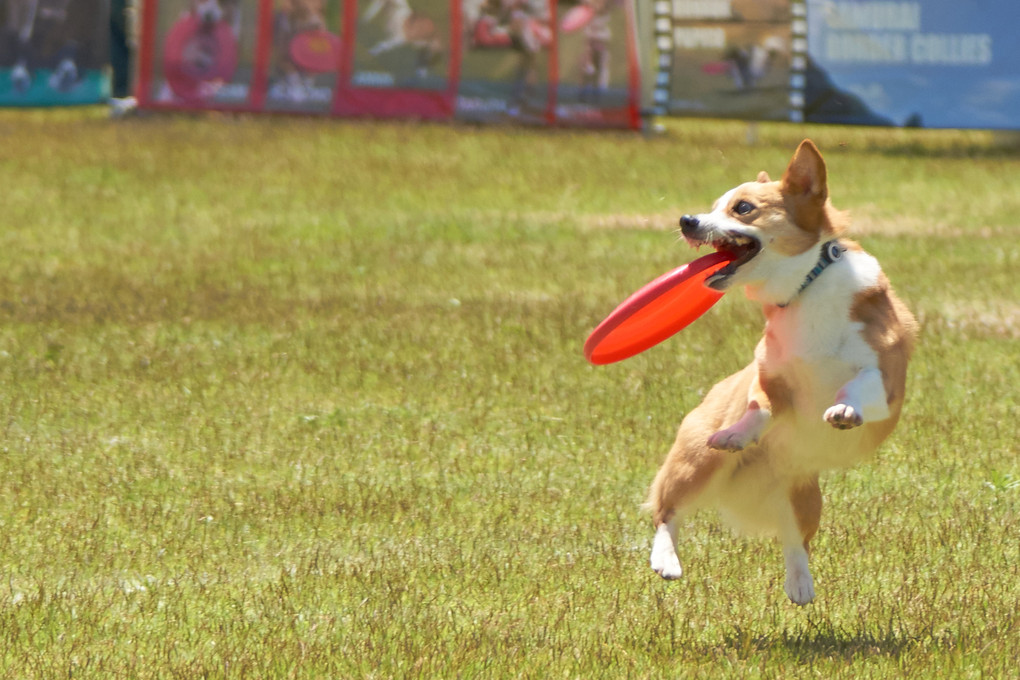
(598, 65)
(474, 60)
(729, 59)
(533, 61)
(506, 66)
(53, 52)
(404, 58)
(204, 55)
(305, 54)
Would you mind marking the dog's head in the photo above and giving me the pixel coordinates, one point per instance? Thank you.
(773, 229)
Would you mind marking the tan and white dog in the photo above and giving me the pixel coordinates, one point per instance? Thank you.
(827, 382)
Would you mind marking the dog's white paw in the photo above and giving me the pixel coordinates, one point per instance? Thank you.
(843, 417)
(730, 439)
(800, 587)
(664, 561)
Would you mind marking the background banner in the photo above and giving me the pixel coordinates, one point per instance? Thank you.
(509, 61)
(204, 55)
(400, 61)
(725, 58)
(529, 61)
(598, 71)
(304, 56)
(936, 63)
(930, 63)
(53, 52)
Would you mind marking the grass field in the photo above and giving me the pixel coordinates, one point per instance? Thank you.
(289, 398)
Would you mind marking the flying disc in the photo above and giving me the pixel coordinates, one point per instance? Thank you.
(657, 311)
(317, 50)
(577, 18)
(196, 54)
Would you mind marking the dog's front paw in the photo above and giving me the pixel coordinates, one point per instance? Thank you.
(843, 417)
(730, 439)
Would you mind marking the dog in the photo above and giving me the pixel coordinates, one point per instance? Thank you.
(828, 379)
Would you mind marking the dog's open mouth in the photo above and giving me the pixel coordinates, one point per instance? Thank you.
(741, 247)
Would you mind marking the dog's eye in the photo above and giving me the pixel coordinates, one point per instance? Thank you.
(743, 208)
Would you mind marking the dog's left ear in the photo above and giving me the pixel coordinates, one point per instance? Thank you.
(763, 177)
(805, 176)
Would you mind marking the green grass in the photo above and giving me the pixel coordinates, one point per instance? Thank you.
(305, 398)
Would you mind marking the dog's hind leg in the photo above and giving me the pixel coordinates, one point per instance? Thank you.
(795, 533)
(685, 480)
(675, 490)
(664, 560)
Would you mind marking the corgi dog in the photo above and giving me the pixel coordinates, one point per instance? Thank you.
(827, 382)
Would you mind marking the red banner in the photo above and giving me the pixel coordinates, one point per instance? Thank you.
(530, 61)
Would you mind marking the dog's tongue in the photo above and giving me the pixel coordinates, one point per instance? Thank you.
(733, 250)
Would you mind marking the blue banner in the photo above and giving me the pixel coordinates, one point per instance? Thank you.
(931, 63)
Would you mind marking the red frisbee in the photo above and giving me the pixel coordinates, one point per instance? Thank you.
(316, 50)
(656, 311)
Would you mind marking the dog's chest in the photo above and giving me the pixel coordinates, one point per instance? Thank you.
(793, 336)
(820, 329)
(805, 362)
(814, 349)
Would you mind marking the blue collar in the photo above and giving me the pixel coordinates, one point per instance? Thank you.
(831, 252)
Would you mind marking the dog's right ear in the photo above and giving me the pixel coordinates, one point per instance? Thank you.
(805, 175)
(763, 177)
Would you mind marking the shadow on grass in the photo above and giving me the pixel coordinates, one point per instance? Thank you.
(824, 643)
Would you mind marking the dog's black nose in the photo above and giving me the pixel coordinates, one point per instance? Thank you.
(688, 222)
